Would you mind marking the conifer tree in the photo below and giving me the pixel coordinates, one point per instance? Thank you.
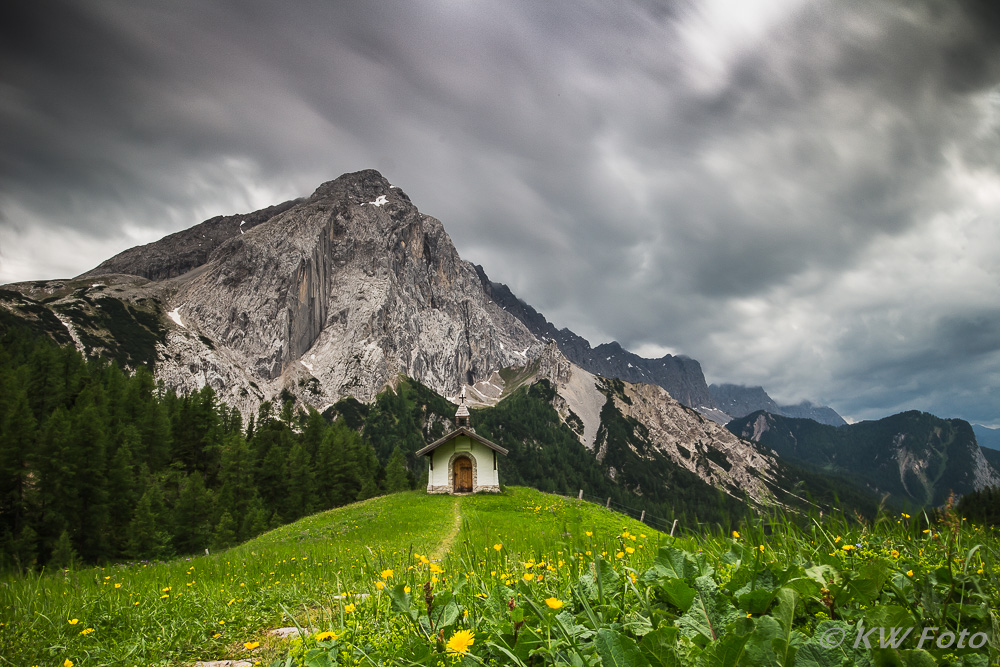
(63, 555)
(224, 535)
(396, 476)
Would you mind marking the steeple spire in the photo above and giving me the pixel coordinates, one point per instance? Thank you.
(462, 414)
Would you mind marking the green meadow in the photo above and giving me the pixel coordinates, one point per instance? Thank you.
(526, 578)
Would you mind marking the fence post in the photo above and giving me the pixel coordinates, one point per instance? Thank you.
(642, 516)
(672, 528)
(607, 505)
(580, 497)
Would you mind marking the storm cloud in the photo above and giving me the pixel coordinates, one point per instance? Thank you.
(800, 195)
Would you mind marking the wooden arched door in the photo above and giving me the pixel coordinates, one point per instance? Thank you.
(463, 475)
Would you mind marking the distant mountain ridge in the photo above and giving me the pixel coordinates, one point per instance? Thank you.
(914, 457)
(681, 376)
(740, 401)
(987, 437)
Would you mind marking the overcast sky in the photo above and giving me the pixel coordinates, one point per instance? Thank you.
(802, 195)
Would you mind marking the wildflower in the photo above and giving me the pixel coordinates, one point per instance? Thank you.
(905, 515)
(590, 534)
(620, 555)
(325, 636)
(436, 569)
(629, 550)
(86, 631)
(406, 589)
(230, 603)
(736, 535)
(67, 663)
(528, 576)
(118, 585)
(847, 547)
(166, 590)
(553, 603)
(540, 577)
(250, 645)
(73, 621)
(497, 547)
(894, 553)
(387, 574)
(460, 642)
(379, 585)
(348, 608)
(164, 596)
(762, 548)
(216, 635)
(909, 573)
(836, 539)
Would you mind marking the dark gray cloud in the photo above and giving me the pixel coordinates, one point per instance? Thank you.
(799, 195)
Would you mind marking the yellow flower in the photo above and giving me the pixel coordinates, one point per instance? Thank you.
(620, 555)
(118, 585)
(73, 621)
(436, 569)
(67, 663)
(406, 589)
(553, 603)
(836, 539)
(164, 596)
(894, 553)
(348, 608)
(325, 636)
(590, 534)
(387, 574)
(762, 548)
(250, 645)
(847, 547)
(86, 631)
(629, 550)
(528, 576)
(379, 585)
(497, 547)
(460, 642)
(736, 535)
(166, 590)
(909, 573)
(216, 635)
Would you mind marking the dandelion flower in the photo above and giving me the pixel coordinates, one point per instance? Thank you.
(386, 574)
(909, 573)
(73, 621)
(528, 576)
(118, 585)
(86, 631)
(67, 663)
(497, 547)
(847, 547)
(348, 608)
(590, 534)
(762, 548)
(894, 553)
(325, 636)
(736, 535)
(629, 550)
(620, 555)
(379, 585)
(553, 603)
(406, 589)
(250, 645)
(460, 642)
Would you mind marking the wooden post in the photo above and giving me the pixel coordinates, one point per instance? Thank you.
(672, 528)
(607, 505)
(580, 497)
(642, 516)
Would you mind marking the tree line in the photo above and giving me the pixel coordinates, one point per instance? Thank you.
(97, 464)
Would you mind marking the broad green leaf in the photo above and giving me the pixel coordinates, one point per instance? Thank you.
(726, 652)
(832, 645)
(677, 593)
(755, 602)
(910, 658)
(868, 582)
(759, 649)
(401, 601)
(660, 647)
(784, 613)
(617, 650)
(709, 614)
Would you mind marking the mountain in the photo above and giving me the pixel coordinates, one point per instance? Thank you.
(914, 457)
(740, 401)
(352, 290)
(987, 437)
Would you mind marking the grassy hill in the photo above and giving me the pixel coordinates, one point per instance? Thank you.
(530, 579)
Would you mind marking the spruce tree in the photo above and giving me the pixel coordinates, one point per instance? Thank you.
(224, 535)
(63, 555)
(396, 476)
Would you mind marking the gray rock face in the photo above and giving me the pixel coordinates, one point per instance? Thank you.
(344, 291)
(178, 253)
(681, 376)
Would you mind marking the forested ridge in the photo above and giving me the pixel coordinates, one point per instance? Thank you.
(97, 464)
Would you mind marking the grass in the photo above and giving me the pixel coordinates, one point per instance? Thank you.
(527, 579)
